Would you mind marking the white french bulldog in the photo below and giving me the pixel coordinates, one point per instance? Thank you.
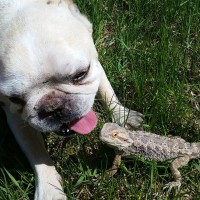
(49, 76)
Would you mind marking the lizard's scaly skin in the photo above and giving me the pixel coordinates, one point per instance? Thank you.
(151, 147)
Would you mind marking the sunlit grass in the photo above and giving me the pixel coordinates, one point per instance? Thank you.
(150, 51)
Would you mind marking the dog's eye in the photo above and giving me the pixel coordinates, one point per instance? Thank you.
(17, 100)
(80, 75)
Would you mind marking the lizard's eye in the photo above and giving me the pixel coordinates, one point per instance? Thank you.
(115, 134)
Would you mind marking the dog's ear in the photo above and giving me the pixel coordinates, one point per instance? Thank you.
(76, 13)
(74, 10)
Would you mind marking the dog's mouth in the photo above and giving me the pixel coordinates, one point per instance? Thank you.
(83, 125)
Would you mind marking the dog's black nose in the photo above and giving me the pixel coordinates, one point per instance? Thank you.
(55, 114)
(43, 114)
(57, 106)
(58, 113)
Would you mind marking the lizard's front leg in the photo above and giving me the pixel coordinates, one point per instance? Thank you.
(121, 115)
(48, 181)
(115, 166)
(175, 165)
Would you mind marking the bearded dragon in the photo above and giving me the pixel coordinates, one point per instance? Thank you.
(151, 147)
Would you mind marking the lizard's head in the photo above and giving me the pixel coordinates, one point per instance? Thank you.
(115, 136)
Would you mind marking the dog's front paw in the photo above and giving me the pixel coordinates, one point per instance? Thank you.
(129, 118)
(49, 187)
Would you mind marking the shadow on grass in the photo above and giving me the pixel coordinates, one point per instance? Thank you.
(11, 156)
(93, 154)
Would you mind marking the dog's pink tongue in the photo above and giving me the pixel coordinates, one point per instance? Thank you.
(85, 124)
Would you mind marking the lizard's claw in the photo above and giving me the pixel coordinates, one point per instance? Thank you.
(128, 118)
(171, 185)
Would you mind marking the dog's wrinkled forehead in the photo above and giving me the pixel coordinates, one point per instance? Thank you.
(48, 42)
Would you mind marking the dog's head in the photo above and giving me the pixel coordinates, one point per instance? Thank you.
(49, 68)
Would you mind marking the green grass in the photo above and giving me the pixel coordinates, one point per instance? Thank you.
(151, 52)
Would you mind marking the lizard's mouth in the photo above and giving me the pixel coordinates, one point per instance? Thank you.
(115, 136)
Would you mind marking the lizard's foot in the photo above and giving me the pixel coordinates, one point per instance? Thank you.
(171, 185)
(111, 172)
(129, 118)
